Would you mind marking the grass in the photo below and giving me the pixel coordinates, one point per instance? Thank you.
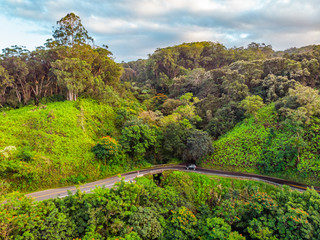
(53, 144)
(241, 149)
(239, 183)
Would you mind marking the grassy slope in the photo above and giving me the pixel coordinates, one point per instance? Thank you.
(60, 136)
(241, 148)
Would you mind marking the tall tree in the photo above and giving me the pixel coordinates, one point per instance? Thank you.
(70, 31)
(39, 78)
(5, 83)
(73, 74)
(18, 70)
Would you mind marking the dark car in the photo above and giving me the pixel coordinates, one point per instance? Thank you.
(191, 167)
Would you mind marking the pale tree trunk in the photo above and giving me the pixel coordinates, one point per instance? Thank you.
(71, 96)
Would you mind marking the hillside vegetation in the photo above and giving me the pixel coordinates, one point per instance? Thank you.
(71, 114)
(260, 107)
(51, 144)
(271, 147)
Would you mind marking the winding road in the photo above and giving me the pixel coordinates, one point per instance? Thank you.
(109, 182)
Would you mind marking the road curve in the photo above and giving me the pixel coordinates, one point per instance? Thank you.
(109, 182)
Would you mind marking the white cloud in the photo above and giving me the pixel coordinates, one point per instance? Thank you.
(109, 25)
(244, 35)
(196, 34)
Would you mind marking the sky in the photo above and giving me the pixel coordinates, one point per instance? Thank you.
(135, 28)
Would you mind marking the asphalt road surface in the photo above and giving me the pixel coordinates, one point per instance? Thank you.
(109, 182)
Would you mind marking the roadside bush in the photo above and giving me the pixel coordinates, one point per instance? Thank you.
(137, 138)
(107, 149)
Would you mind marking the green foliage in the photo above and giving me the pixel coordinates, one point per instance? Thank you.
(25, 220)
(26, 154)
(174, 140)
(106, 149)
(137, 138)
(184, 206)
(276, 87)
(198, 146)
(224, 120)
(181, 224)
(309, 158)
(278, 152)
(234, 86)
(129, 236)
(271, 144)
(145, 222)
(242, 147)
(252, 104)
(53, 143)
(74, 75)
(215, 228)
(307, 101)
(184, 142)
(52, 98)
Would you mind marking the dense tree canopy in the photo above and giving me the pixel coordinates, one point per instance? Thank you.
(182, 206)
(67, 66)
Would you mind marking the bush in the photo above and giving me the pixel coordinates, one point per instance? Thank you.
(107, 149)
(25, 154)
(137, 138)
(52, 98)
(181, 224)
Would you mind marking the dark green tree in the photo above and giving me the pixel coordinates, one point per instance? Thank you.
(198, 145)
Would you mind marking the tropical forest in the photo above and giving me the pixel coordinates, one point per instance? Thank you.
(70, 114)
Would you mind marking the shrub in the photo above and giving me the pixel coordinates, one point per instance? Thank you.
(25, 154)
(107, 149)
(137, 138)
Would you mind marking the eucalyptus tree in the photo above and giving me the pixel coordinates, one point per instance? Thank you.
(17, 69)
(74, 75)
(6, 82)
(70, 31)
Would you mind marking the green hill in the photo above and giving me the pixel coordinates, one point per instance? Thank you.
(270, 146)
(51, 144)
